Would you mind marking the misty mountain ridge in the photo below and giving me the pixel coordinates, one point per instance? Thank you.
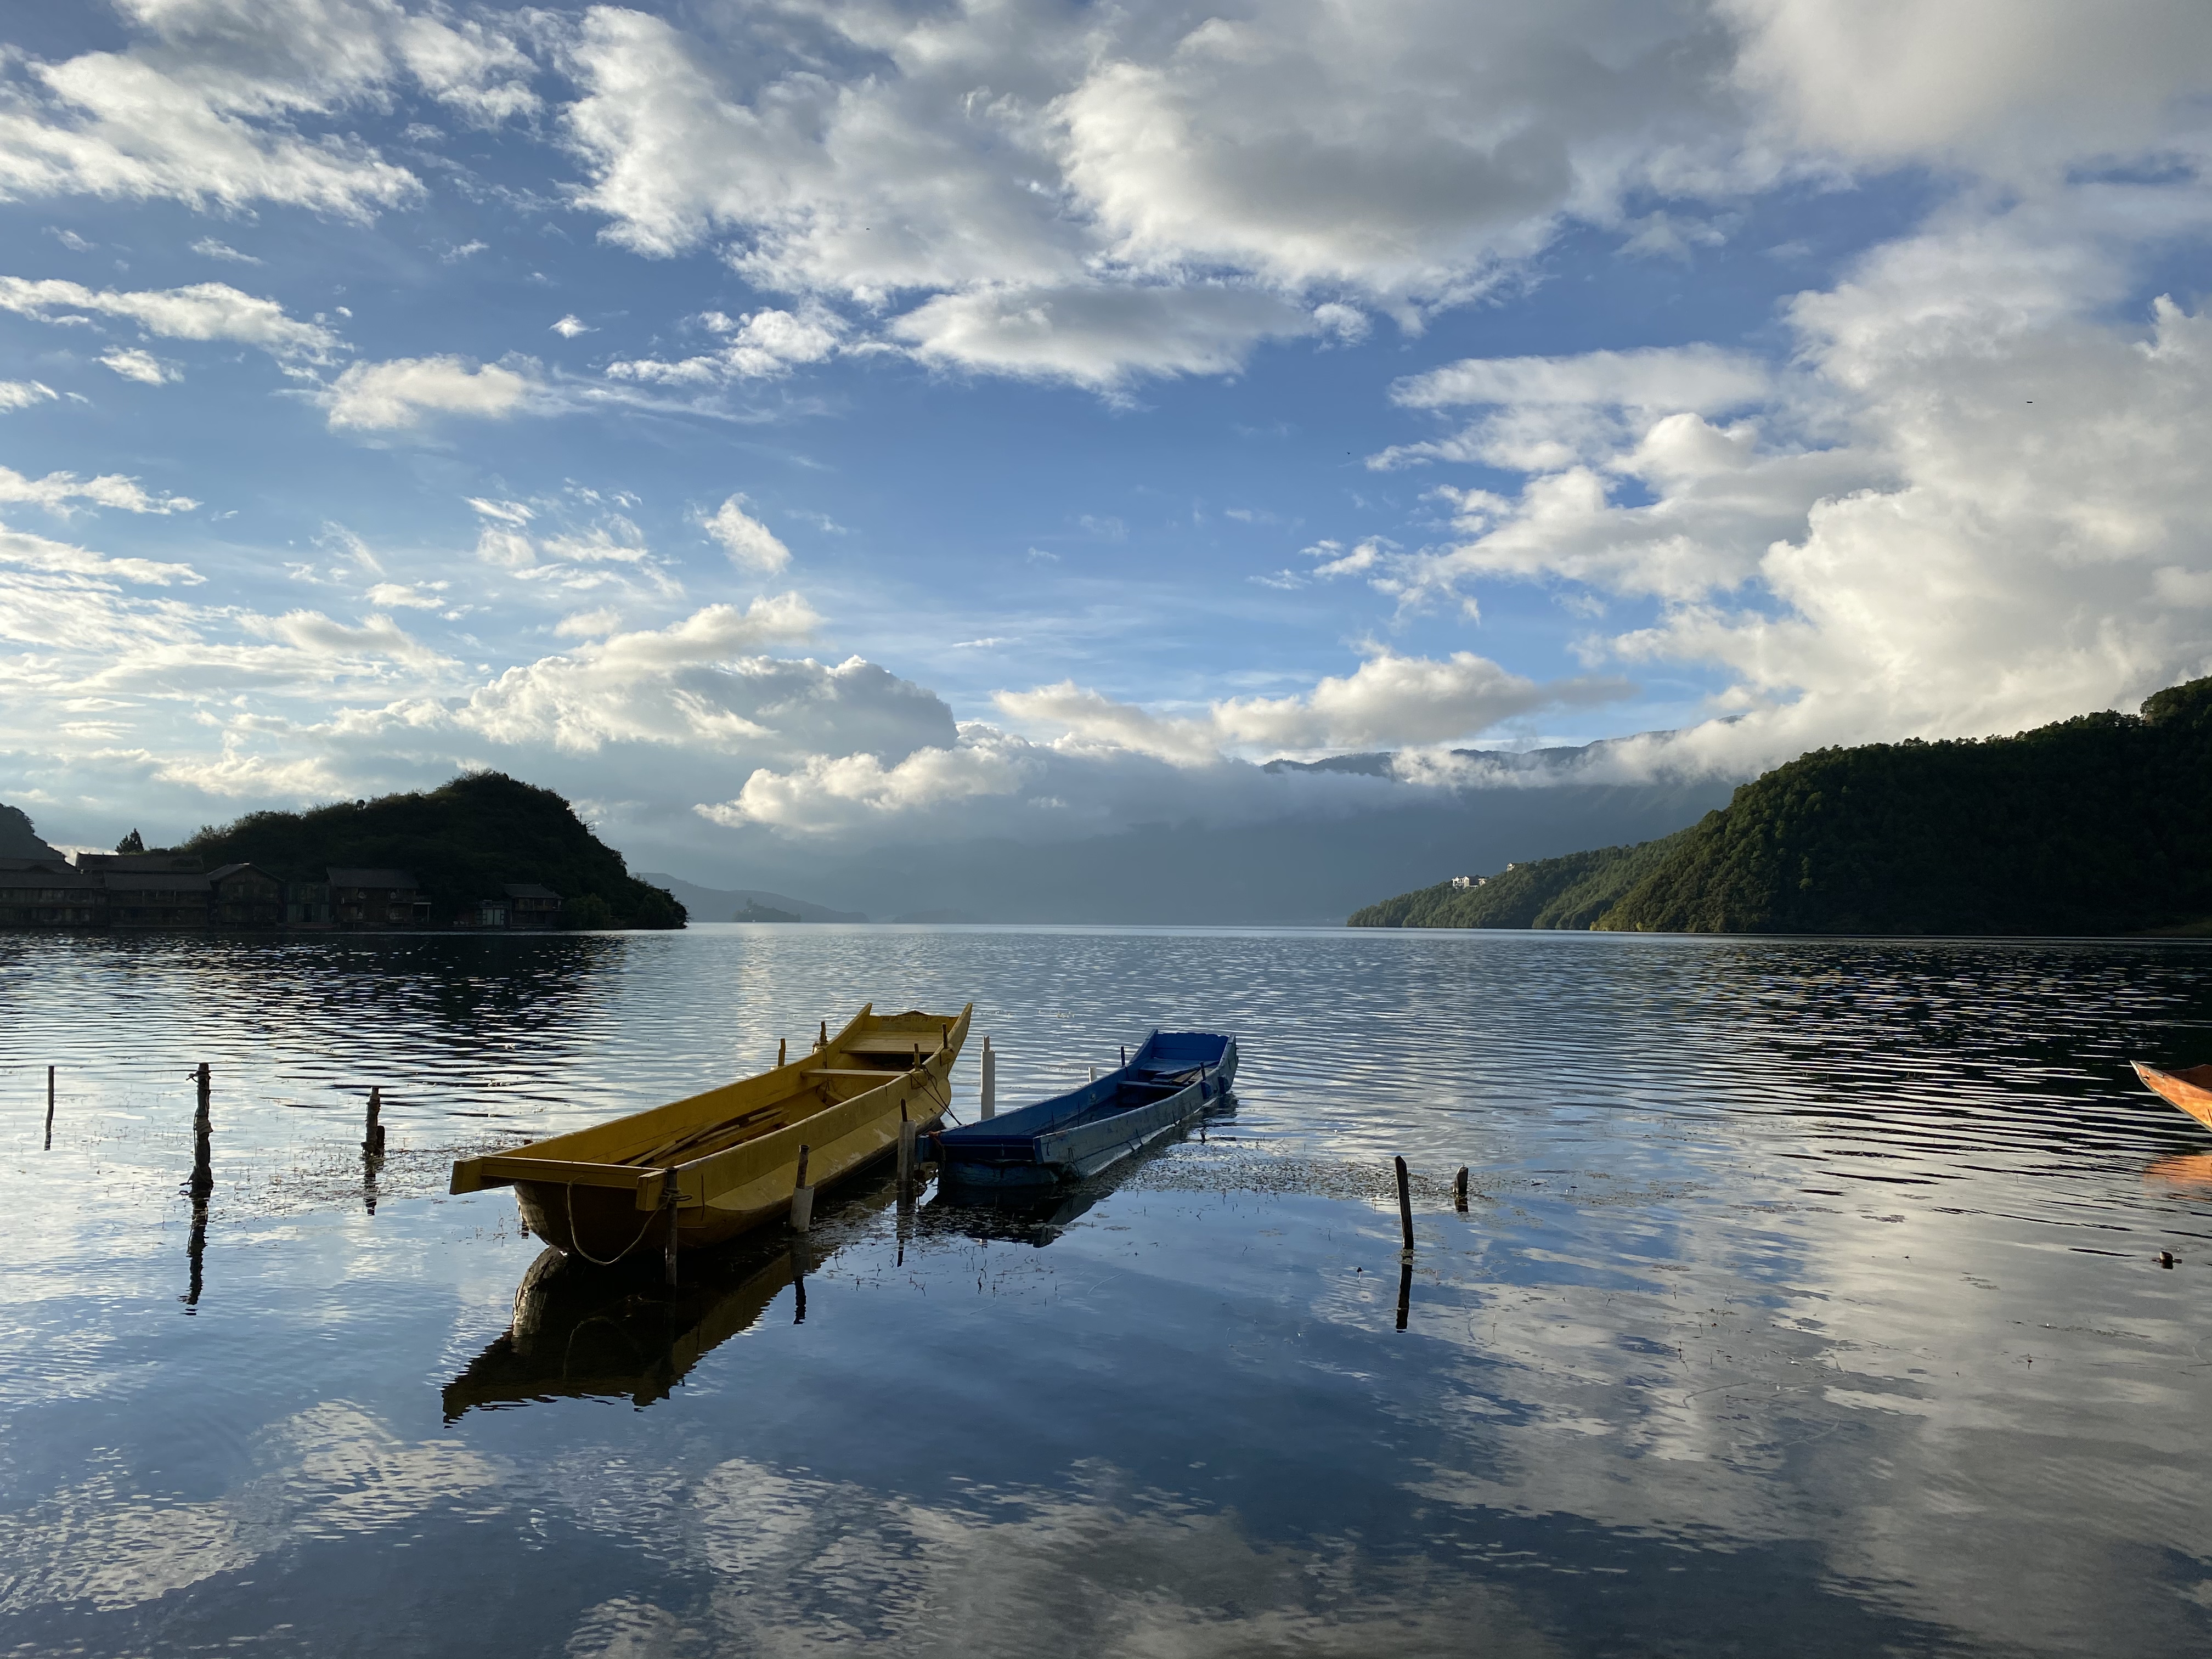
(725, 904)
(1310, 870)
(1563, 762)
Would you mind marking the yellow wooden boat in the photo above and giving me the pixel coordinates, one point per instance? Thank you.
(2192, 1090)
(721, 1163)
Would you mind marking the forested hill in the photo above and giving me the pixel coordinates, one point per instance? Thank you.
(461, 841)
(1570, 891)
(2094, 825)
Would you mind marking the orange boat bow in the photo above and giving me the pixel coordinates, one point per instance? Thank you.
(2192, 1090)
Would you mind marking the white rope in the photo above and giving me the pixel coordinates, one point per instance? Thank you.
(576, 1242)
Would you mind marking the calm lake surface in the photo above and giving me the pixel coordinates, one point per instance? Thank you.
(1808, 1302)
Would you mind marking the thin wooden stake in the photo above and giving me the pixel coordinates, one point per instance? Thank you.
(202, 1127)
(50, 1108)
(780, 1062)
(908, 1130)
(802, 1197)
(1404, 1204)
(372, 1137)
(1459, 1190)
(990, 1080)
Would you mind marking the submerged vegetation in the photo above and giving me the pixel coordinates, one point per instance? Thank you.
(461, 841)
(2092, 825)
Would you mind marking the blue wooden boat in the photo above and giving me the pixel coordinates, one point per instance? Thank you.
(1069, 1138)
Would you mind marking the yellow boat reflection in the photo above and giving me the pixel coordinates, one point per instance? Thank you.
(582, 1331)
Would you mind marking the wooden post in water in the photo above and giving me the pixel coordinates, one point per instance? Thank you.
(802, 1197)
(824, 1041)
(50, 1108)
(203, 1181)
(1459, 1190)
(907, 1132)
(990, 1080)
(780, 1062)
(1405, 1205)
(372, 1135)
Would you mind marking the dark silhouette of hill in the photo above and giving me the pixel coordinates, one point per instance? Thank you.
(19, 839)
(462, 840)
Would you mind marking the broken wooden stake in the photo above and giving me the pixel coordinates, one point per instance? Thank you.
(372, 1136)
(1404, 1204)
(1459, 1190)
(990, 1080)
(802, 1197)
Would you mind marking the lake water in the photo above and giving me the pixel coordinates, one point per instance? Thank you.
(1809, 1301)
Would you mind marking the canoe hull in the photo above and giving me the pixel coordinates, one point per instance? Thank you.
(599, 1193)
(2190, 1090)
(1001, 1167)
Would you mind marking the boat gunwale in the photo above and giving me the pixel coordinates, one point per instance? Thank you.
(1086, 1145)
(699, 1179)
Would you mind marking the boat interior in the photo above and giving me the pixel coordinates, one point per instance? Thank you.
(870, 1051)
(1167, 1063)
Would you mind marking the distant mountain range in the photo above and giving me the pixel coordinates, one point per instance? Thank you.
(727, 904)
(2092, 825)
(1316, 869)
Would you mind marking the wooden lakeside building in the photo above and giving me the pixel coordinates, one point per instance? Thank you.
(171, 891)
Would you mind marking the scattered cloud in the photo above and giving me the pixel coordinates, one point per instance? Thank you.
(761, 345)
(1388, 702)
(57, 492)
(23, 394)
(228, 105)
(140, 366)
(398, 595)
(404, 392)
(751, 545)
(203, 311)
(570, 326)
(207, 248)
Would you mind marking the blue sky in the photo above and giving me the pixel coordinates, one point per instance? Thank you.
(828, 423)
